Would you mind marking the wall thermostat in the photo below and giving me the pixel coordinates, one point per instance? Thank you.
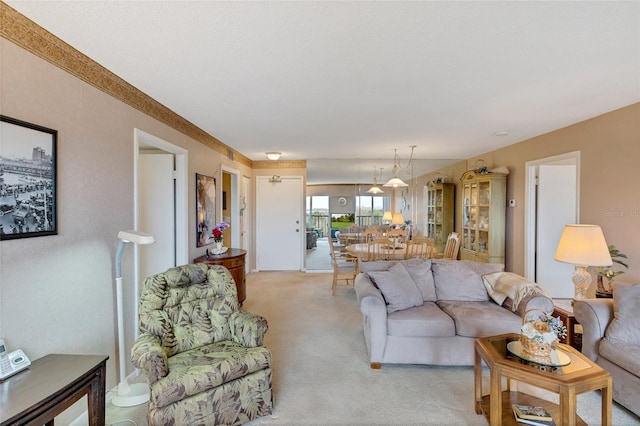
(342, 201)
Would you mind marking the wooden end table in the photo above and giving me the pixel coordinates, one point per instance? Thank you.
(52, 384)
(581, 375)
(234, 260)
(563, 308)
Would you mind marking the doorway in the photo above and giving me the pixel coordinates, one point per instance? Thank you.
(552, 201)
(160, 185)
(229, 207)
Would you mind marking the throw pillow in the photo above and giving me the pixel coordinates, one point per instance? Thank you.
(420, 271)
(455, 281)
(397, 287)
(626, 320)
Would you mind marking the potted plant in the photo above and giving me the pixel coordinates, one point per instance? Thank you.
(610, 274)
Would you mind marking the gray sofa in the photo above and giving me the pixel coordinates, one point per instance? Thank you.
(428, 311)
(611, 338)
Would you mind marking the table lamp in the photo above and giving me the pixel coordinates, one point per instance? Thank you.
(582, 246)
(397, 219)
(127, 395)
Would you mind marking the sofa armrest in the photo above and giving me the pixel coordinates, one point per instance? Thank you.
(248, 329)
(594, 315)
(534, 301)
(148, 355)
(374, 317)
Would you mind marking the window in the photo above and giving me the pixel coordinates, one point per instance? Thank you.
(369, 209)
(318, 214)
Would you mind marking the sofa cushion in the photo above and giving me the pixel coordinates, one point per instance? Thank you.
(397, 287)
(480, 319)
(427, 320)
(455, 280)
(420, 271)
(621, 353)
(625, 325)
(199, 369)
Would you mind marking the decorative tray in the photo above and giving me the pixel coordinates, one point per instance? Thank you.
(556, 359)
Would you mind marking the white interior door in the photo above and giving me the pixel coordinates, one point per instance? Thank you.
(157, 211)
(556, 207)
(279, 223)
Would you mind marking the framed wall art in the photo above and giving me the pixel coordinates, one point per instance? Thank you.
(205, 209)
(27, 180)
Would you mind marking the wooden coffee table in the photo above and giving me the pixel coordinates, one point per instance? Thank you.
(581, 375)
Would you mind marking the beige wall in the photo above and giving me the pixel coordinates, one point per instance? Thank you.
(609, 148)
(57, 292)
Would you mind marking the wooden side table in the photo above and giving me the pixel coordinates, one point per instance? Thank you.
(563, 308)
(52, 384)
(233, 260)
(579, 376)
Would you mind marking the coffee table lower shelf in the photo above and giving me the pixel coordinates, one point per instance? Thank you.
(512, 397)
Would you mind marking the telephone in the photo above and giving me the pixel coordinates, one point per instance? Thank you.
(11, 362)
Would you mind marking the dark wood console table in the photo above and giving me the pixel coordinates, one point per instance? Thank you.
(233, 260)
(51, 385)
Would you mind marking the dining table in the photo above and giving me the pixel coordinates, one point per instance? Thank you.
(361, 251)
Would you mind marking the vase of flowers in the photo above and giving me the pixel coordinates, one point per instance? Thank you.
(218, 234)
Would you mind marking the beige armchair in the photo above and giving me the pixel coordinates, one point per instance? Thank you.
(203, 357)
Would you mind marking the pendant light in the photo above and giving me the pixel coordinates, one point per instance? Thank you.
(375, 189)
(395, 181)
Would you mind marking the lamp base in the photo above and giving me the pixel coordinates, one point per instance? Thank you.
(129, 395)
(581, 280)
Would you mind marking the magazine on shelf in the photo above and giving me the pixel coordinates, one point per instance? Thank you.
(531, 412)
(534, 419)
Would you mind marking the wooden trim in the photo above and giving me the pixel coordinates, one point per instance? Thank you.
(280, 164)
(25, 33)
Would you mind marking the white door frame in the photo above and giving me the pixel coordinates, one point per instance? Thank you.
(234, 198)
(531, 169)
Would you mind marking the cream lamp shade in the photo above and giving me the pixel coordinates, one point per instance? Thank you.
(395, 183)
(583, 246)
(397, 219)
(387, 216)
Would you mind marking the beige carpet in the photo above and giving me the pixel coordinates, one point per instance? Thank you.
(321, 375)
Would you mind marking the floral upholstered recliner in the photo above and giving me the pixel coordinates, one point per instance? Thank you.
(203, 356)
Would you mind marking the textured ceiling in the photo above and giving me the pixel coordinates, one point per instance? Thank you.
(342, 84)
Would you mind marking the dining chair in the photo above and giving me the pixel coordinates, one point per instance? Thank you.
(344, 266)
(398, 235)
(337, 249)
(380, 249)
(420, 248)
(370, 234)
(452, 246)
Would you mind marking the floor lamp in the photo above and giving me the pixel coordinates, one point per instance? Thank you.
(127, 395)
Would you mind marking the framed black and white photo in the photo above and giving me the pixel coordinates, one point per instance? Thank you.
(27, 179)
(205, 209)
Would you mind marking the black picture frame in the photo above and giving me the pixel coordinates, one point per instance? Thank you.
(28, 187)
(205, 209)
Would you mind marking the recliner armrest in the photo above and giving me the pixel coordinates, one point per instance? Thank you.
(148, 355)
(248, 329)
(594, 315)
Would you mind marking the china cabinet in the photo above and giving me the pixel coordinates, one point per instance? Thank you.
(439, 213)
(483, 216)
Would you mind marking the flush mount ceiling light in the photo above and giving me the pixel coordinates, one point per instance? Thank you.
(375, 189)
(273, 155)
(395, 181)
